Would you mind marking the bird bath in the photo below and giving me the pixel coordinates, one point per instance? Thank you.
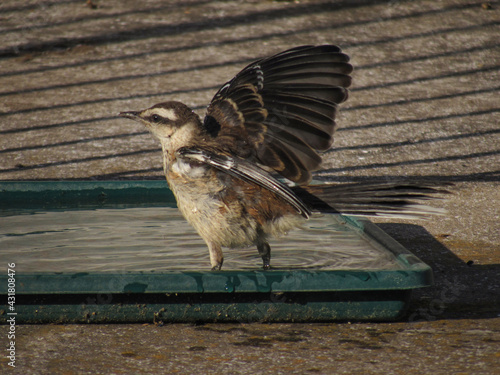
(119, 251)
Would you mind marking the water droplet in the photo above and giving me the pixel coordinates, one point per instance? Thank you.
(229, 287)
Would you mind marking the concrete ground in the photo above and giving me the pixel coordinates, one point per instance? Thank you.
(424, 103)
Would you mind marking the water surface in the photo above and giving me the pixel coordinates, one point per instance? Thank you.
(159, 239)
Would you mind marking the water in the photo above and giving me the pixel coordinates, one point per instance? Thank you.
(159, 239)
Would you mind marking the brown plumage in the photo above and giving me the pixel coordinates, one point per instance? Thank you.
(274, 117)
(279, 111)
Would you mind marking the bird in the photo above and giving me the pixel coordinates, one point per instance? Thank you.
(243, 175)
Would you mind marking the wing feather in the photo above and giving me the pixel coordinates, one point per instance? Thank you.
(247, 171)
(280, 111)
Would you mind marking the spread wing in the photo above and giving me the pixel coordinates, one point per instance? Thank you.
(244, 170)
(280, 111)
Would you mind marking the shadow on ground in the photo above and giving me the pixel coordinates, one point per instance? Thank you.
(462, 289)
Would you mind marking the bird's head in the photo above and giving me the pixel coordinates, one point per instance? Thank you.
(173, 123)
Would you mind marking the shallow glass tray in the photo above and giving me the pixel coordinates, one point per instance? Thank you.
(118, 251)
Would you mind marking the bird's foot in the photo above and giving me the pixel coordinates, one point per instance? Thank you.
(217, 267)
(265, 253)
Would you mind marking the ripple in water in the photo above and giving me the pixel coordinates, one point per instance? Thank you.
(159, 239)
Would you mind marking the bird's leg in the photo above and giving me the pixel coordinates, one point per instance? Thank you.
(216, 256)
(265, 253)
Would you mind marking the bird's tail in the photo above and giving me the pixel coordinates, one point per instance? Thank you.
(382, 199)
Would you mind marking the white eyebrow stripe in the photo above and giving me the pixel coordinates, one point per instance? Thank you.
(167, 113)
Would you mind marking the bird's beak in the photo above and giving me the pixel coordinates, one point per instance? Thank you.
(131, 115)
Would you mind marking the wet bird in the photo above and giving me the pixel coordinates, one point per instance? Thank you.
(264, 127)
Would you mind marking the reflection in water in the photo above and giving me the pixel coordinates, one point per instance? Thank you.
(159, 239)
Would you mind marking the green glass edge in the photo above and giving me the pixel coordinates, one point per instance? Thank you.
(100, 194)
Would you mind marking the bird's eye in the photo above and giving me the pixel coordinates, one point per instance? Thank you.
(156, 118)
